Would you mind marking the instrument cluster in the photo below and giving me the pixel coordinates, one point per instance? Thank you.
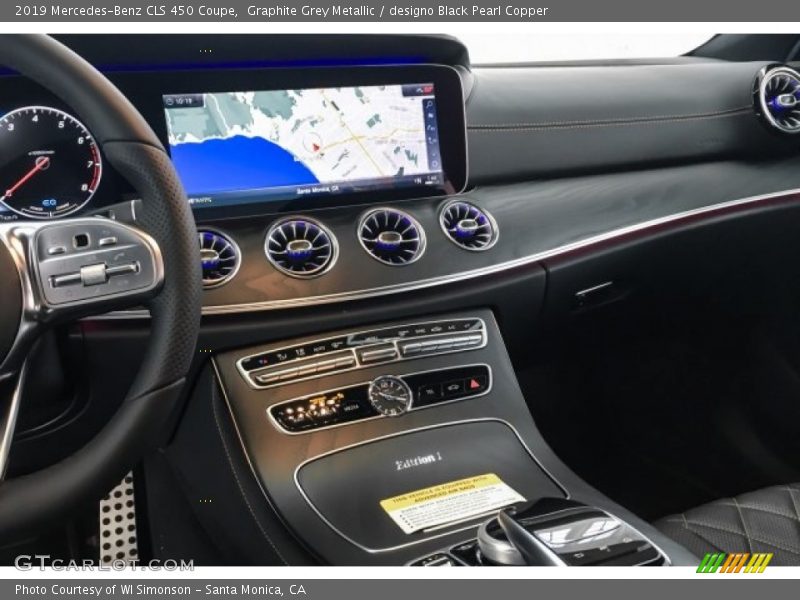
(50, 164)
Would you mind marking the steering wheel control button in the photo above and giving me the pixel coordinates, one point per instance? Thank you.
(100, 273)
(94, 275)
(364, 349)
(56, 250)
(81, 241)
(129, 269)
(87, 270)
(65, 280)
(107, 241)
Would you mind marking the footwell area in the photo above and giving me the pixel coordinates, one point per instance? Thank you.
(669, 417)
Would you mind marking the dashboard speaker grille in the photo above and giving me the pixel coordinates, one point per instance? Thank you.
(219, 257)
(468, 226)
(391, 236)
(779, 98)
(300, 247)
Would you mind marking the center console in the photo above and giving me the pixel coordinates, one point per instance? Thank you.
(411, 443)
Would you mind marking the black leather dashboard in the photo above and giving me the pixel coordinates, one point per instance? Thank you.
(535, 122)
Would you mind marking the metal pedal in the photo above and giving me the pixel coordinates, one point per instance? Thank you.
(118, 536)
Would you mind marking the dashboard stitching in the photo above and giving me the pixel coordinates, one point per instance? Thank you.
(238, 482)
(620, 232)
(654, 120)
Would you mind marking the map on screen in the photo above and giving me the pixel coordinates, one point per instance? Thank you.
(304, 141)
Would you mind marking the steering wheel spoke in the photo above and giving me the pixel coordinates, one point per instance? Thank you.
(74, 269)
(11, 392)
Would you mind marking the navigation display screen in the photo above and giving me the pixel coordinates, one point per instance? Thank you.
(242, 147)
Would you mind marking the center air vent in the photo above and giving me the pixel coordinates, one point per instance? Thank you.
(468, 226)
(219, 257)
(778, 99)
(300, 247)
(391, 236)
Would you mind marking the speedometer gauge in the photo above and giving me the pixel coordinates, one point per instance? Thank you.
(50, 165)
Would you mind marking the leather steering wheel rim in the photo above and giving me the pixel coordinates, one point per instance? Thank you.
(129, 144)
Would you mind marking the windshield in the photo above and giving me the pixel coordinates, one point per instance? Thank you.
(515, 48)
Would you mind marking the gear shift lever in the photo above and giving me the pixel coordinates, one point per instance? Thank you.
(560, 532)
(532, 550)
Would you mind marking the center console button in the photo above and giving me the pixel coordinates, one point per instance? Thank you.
(337, 344)
(428, 346)
(375, 354)
(410, 348)
(345, 362)
(451, 389)
(307, 370)
(428, 393)
(268, 378)
(281, 356)
(320, 348)
(436, 560)
(476, 385)
(467, 553)
(287, 374)
(466, 341)
(444, 344)
(326, 365)
(468, 325)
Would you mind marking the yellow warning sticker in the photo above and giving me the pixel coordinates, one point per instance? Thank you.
(450, 502)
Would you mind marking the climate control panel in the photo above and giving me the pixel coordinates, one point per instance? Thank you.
(360, 350)
(385, 396)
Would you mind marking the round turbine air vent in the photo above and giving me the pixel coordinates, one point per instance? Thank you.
(468, 226)
(778, 97)
(391, 236)
(300, 247)
(219, 257)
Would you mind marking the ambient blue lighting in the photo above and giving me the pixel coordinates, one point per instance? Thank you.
(370, 61)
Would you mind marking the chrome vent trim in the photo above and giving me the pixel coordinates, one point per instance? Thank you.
(220, 257)
(778, 98)
(301, 247)
(391, 236)
(468, 226)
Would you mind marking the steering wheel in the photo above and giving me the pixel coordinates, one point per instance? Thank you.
(155, 264)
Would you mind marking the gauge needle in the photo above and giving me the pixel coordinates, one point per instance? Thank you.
(42, 162)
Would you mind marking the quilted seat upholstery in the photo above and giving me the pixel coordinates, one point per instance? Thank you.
(766, 520)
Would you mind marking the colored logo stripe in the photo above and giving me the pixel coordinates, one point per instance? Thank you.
(734, 563)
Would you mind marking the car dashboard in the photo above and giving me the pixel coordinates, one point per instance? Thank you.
(384, 222)
(384, 241)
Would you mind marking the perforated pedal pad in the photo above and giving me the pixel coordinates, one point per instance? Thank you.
(118, 536)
